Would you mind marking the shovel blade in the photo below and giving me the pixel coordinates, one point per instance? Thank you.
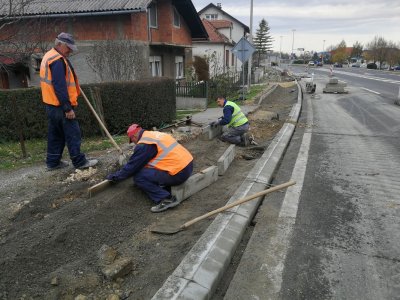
(166, 229)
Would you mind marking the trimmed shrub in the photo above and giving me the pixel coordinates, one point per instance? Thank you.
(148, 102)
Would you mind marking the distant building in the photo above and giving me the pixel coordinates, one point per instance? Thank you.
(224, 32)
(164, 29)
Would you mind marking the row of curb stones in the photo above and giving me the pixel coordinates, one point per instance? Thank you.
(200, 271)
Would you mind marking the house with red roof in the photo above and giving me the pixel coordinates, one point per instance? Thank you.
(224, 31)
(162, 29)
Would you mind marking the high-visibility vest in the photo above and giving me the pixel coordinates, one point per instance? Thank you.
(48, 94)
(171, 157)
(238, 117)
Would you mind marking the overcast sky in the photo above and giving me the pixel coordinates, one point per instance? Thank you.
(315, 21)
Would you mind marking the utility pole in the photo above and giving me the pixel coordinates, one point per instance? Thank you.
(251, 41)
(280, 50)
(293, 42)
(323, 52)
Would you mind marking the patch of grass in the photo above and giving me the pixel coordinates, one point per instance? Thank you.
(11, 153)
(254, 91)
(180, 114)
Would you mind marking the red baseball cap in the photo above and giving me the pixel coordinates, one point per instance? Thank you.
(132, 130)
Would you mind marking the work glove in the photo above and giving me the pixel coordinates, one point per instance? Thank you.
(112, 178)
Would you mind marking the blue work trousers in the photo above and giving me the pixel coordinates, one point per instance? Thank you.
(62, 131)
(156, 183)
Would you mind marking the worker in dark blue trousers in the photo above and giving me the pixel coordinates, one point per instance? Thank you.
(157, 163)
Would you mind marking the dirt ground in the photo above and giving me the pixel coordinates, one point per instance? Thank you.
(57, 243)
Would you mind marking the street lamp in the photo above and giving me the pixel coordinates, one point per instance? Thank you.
(323, 52)
(251, 41)
(293, 42)
(280, 49)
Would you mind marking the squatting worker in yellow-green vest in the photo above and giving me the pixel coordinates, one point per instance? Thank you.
(236, 121)
(157, 163)
(60, 91)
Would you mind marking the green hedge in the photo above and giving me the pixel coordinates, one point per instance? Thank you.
(148, 102)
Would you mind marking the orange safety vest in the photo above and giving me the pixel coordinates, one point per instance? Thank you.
(48, 94)
(171, 157)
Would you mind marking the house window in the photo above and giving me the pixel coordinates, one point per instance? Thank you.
(177, 19)
(227, 58)
(233, 59)
(155, 66)
(179, 66)
(211, 16)
(152, 11)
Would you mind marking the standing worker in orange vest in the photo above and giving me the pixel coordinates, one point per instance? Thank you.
(157, 163)
(60, 91)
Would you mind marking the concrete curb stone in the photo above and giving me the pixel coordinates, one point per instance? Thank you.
(202, 268)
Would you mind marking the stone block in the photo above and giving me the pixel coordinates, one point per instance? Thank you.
(225, 160)
(210, 132)
(119, 268)
(333, 81)
(195, 183)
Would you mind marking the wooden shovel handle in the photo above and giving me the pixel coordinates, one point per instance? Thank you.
(238, 202)
(100, 122)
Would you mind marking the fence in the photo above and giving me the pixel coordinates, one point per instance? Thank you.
(225, 84)
(192, 89)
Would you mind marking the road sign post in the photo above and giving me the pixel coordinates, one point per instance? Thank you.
(243, 50)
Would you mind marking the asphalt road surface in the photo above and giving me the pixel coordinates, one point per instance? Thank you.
(336, 234)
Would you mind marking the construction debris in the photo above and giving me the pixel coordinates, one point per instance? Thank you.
(334, 87)
(81, 175)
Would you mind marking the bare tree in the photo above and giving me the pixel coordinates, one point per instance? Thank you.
(357, 50)
(339, 54)
(118, 60)
(21, 37)
(378, 48)
(393, 55)
(11, 11)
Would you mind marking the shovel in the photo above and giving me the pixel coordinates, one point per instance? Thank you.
(171, 230)
(122, 158)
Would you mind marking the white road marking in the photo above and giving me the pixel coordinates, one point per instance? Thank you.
(365, 76)
(363, 88)
(287, 215)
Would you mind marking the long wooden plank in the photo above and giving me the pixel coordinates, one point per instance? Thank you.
(99, 187)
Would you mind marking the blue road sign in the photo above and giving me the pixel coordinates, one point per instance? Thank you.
(243, 50)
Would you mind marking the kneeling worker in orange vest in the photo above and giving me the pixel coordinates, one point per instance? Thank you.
(157, 163)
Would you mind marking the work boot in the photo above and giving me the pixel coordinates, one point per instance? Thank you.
(252, 140)
(165, 204)
(89, 163)
(61, 164)
(246, 139)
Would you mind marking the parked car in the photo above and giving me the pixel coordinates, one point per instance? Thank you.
(337, 65)
(319, 64)
(372, 66)
(356, 65)
(311, 64)
(395, 68)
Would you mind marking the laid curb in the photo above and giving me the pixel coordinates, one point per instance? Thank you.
(199, 273)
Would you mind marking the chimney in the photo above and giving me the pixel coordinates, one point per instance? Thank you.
(219, 5)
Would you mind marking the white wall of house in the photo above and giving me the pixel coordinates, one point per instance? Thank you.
(217, 66)
(237, 28)
(227, 32)
(234, 34)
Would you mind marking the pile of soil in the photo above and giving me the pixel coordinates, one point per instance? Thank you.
(56, 243)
